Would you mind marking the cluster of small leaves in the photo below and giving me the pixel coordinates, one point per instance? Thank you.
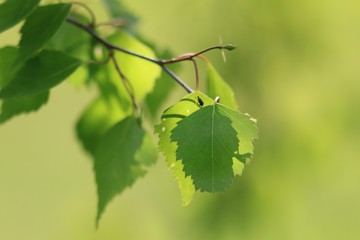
(205, 142)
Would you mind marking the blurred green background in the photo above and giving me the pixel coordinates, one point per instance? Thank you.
(296, 69)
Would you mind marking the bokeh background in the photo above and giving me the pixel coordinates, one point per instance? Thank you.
(296, 69)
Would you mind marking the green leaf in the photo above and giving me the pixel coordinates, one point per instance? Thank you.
(16, 106)
(169, 119)
(117, 159)
(111, 90)
(101, 114)
(206, 145)
(13, 11)
(207, 141)
(75, 43)
(216, 86)
(140, 73)
(71, 40)
(7, 58)
(39, 74)
(39, 27)
(164, 86)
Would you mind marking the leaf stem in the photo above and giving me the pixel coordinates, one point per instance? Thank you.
(91, 13)
(126, 83)
(177, 79)
(196, 74)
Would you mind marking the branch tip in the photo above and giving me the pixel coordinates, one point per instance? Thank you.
(229, 47)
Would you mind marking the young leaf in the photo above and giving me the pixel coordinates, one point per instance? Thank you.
(169, 119)
(206, 144)
(142, 80)
(13, 11)
(154, 100)
(15, 106)
(216, 86)
(39, 27)
(102, 113)
(117, 159)
(229, 47)
(39, 74)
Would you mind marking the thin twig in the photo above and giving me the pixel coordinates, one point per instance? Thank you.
(110, 46)
(160, 62)
(125, 82)
(190, 56)
(107, 44)
(177, 79)
(91, 13)
(196, 74)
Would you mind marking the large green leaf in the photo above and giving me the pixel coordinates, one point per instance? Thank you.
(169, 119)
(39, 27)
(207, 143)
(15, 106)
(101, 114)
(141, 74)
(119, 159)
(39, 74)
(13, 11)
(217, 87)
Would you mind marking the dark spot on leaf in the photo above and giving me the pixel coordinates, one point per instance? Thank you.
(200, 101)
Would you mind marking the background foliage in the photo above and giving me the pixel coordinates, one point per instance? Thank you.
(296, 69)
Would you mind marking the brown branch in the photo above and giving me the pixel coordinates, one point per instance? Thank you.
(159, 62)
